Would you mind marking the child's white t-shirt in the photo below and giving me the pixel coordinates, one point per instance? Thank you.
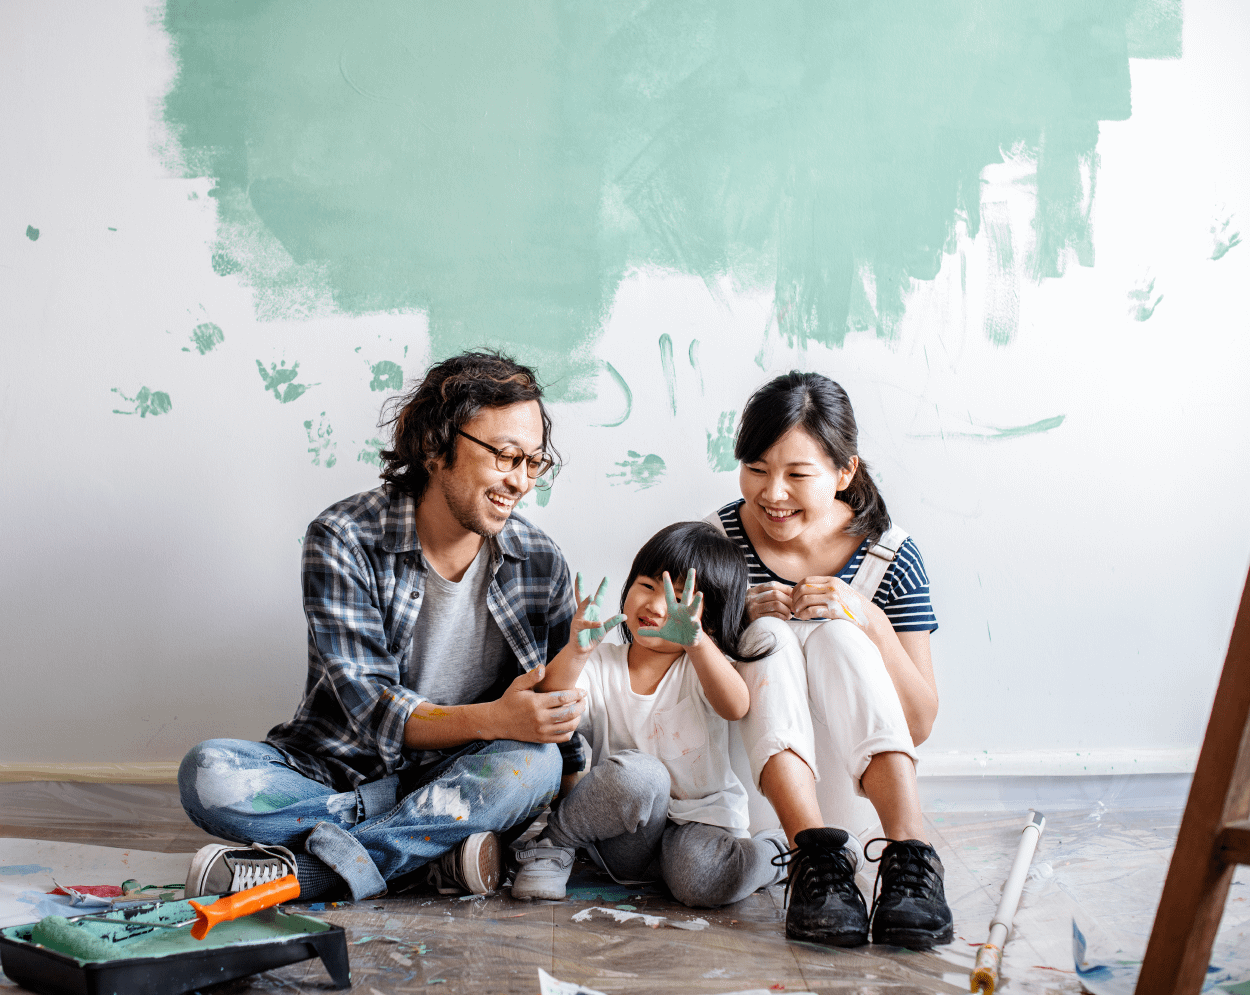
(676, 725)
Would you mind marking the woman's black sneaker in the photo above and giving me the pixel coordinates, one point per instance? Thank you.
(911, 909)
(825, 905)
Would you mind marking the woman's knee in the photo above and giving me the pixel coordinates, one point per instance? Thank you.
(843, 643)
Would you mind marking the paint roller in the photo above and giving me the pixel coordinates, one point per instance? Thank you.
(68, 936)
(990, 957)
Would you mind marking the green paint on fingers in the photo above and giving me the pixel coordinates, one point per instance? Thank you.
(146, 402)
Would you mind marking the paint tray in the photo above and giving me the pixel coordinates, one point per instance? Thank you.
(155, 961)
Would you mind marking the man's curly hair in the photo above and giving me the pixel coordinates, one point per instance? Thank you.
(426, 419)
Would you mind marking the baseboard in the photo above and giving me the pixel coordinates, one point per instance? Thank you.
(1056, 763)
(136, 772)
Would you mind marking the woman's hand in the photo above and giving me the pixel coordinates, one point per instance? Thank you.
(772, 600)
(829, 597)
(586, 623)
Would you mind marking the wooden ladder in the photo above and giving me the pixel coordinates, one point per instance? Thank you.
(1214, 836)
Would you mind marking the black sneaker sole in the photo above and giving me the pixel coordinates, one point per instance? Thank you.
(827, 939)
(914, 939)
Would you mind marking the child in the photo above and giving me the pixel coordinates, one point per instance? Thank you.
(660, 799)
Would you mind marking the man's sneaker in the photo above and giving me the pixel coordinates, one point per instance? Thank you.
(911, 909)
(544, 870)
(221, 869)
(471, 866)
(825, 905)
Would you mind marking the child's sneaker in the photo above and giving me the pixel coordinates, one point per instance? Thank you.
(911, 909)
(544, 870)
(473, 866)
(824, 903)
(777, 837)
(222, 869)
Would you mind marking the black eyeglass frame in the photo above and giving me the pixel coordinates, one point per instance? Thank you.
(507, 463)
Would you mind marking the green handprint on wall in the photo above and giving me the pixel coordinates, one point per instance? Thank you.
(586, 638)
(681, 625)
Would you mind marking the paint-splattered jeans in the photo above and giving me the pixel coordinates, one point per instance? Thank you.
(244, 791)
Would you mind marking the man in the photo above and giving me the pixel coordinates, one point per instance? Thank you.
(432, 611)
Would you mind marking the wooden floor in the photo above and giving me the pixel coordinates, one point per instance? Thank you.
(1103, 867)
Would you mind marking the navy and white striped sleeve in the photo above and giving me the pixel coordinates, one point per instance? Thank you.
(904, 592)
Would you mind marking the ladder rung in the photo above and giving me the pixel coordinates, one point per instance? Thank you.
(1233, 843)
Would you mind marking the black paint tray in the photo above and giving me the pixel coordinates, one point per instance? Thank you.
(170, 962)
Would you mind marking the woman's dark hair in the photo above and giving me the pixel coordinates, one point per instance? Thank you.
(821, 408)
(720, 573)
(452, 392)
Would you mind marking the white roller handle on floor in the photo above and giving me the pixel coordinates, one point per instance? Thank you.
(990, 956)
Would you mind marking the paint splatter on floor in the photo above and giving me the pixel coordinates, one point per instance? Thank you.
(1140, 306)
(720, 447)
(146, 402)
(280, 379)
(205, 338)
(640, 471)
(321, 443)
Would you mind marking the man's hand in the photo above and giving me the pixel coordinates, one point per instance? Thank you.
(530, 716)
(773, 600)
(586, 623)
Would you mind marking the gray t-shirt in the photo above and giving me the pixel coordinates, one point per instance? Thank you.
(457, 648)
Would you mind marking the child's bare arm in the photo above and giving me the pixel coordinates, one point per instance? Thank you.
(585, 634)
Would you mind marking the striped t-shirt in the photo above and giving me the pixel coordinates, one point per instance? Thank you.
(903, 593)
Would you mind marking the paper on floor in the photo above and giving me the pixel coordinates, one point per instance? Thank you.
(28, 866)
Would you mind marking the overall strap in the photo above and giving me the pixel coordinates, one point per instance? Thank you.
(877, 561)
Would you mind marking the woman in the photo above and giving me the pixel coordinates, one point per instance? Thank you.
(848, 692)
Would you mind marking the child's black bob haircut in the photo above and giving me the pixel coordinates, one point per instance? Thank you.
(720, 573)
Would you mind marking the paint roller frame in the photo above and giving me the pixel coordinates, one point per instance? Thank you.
(48, 972)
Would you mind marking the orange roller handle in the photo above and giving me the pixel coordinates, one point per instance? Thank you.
(243, 903)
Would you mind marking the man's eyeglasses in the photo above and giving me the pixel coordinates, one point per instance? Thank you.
(537, 465)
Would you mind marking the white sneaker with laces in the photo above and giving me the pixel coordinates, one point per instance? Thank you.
(473, 866)
(222, 869)
(544, 870)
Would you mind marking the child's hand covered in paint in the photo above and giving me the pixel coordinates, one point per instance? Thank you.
(829, 597)
(682, 619)
(587, 622)
(771, 600)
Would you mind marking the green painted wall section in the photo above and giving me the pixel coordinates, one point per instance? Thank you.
(502, 165)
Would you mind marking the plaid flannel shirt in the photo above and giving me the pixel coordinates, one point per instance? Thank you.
(364, 580)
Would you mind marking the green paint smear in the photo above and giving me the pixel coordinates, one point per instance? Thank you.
(1223, 239)
(629, 397)
(720, 447)
(994, 434)
(386, 376)
(32, 233)
(268, 802)
(146, 402)
(501, 167)
(670, 372)
(321, 442)
(640, 471)
(372, 453)
(281, 380)
(205, 337)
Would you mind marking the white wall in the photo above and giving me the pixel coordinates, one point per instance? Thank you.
(1085, 578)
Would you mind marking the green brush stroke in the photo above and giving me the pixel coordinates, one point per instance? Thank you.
(501, 167)
(146, 402)
(670, 372)
(281, 381)
(386, 376)
(629, 398)
(640, 471)
(205, 337)
(1002, 300)
(720, 447)
(1223, 239)
(992, 434)
(32, 233)
(694, 362)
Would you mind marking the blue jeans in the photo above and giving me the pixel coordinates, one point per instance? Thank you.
(244, 791)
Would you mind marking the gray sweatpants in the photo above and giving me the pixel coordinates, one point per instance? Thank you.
(619, 812)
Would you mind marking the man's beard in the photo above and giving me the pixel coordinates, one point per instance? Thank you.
(467, 514)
